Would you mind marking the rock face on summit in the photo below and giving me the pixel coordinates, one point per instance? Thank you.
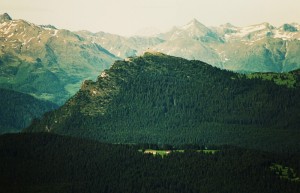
(162, 99)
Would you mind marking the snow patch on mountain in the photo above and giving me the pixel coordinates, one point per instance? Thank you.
(250, 29)
(284, 35)
(55, 32)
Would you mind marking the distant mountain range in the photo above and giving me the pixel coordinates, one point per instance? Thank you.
(256, 48)
(162, 99)
(46, 62)
(121, 97)
(51, 63)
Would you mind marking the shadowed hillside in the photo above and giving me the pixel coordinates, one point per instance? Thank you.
(17, 110)
(162, 99)
(50, 163)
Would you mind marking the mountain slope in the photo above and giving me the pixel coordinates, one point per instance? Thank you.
(32, 55)
(261, 48)
(17, 110)
(46, 62)
(162, 99)
(122, 47)
(256, 48)
(191, 41)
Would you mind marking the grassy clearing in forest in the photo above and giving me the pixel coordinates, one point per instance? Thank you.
(285, 172)
(166, 152)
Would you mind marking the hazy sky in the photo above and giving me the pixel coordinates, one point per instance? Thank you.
(129, 16)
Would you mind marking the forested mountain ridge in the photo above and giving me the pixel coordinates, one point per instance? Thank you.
(32, 55)
(162, 99)
(17, 110)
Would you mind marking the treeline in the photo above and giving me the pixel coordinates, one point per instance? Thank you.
(50, 163)
(163, 99)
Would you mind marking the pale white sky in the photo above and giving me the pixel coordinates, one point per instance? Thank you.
(126, 17)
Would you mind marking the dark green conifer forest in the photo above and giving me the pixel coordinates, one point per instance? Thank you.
(85, 112)
(227, 132)
(168, 100)
(51, 163)
(17, 110)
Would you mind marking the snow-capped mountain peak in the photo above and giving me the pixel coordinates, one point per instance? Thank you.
(194, 24)
(194, 29)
